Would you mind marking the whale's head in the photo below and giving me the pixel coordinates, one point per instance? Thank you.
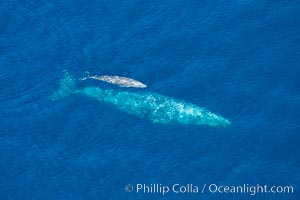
(212, 119)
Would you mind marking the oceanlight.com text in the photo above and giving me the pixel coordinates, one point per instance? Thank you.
(164, 189)
(249, 189)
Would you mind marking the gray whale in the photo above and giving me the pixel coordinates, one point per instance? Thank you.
(152, 106)
(116, 80)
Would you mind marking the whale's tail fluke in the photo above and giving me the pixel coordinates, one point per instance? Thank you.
(66, 87)
(86, 75)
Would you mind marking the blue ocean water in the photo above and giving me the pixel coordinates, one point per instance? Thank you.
(239, 59)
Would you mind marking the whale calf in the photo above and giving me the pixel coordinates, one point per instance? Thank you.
(152, 106)
(116, 80)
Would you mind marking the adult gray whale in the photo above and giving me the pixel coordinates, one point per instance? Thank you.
(155, 107)
(116, 80)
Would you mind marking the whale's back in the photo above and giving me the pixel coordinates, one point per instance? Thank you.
(157, 108)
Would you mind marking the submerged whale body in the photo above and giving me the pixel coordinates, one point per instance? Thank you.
(116, 80)
(155, 107)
